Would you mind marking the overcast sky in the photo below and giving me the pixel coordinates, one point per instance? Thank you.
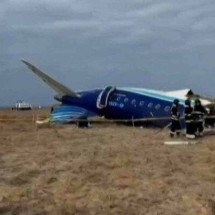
(159, 44)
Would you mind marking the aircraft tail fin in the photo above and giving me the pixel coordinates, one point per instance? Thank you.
(55, 85)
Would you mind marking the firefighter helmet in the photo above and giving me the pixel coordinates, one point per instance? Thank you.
(176, 101)
(187, 102)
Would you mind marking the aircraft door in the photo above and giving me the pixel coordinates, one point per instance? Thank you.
(102, 100)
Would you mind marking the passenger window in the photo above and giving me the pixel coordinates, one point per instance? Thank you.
(167, 108)
(141, 103)
(158, 106)
(150, 105)
(133, 102)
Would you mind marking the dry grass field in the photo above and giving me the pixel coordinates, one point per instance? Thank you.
(106, 169)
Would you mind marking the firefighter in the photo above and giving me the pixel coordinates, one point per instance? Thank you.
(175, 116)
(198, 113)
(190, 125)
(210, 121)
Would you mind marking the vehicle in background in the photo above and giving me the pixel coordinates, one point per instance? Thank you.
(21, 105)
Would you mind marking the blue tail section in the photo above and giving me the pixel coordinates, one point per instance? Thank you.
(67, 113)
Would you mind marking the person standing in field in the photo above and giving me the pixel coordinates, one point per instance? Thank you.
(189, 120)
(198, 113)
(175, 116)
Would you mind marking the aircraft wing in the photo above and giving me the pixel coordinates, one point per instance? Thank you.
(55, 85)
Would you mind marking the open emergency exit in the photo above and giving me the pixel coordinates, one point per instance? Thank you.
(103, 97)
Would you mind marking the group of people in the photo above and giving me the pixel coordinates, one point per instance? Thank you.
(194, 119)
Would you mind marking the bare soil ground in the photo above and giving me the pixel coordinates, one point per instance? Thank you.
(106, 169)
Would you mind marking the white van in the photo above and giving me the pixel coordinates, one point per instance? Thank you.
(21, 105)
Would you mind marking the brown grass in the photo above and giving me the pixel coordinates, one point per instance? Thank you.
(107, 169)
